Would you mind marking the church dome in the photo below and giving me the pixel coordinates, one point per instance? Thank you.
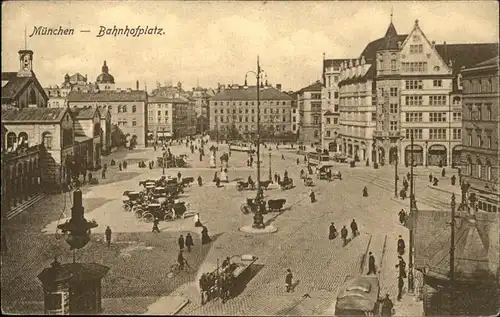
(105, 77)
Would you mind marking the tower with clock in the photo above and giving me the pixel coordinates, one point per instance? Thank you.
(26, 63)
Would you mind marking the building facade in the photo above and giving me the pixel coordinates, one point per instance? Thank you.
(128, 109)
(160, 114)
(88, 134)
(416, 91)
(480, 130)
(330, 107)
(310, 109)
(233, 112)
(184, 117)
(49, 127)
(21, 89)
(58, 94)
(295, 114)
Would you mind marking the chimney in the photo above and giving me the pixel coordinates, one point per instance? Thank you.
(445, 51)
(278, 86)
(136, 85)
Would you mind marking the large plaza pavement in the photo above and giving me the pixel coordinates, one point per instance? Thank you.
(140, 260)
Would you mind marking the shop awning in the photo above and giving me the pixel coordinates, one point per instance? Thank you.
(437, 147)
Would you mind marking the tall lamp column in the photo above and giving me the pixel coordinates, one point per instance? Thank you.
(270, 174)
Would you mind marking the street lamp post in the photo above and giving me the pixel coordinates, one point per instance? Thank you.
(163, 165)
(396, 175)
(270, 174)
(413, 209)
(258, 218)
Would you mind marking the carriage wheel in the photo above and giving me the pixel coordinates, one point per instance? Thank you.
(138, 213)
(244, 209)
(168, 217)
(147, 217)
(126, 207)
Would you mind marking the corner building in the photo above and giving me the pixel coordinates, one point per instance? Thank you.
(480, 120)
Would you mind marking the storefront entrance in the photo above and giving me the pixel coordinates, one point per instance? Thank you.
(456, 156)
(416, 152)
(436, 155)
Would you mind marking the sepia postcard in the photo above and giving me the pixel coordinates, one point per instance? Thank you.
(250, 158)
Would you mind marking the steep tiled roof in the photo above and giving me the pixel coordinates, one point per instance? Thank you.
(250, 93)
(371, 49)
(466, 54)
(317, 86)
(15, 85)
(12, 115)
(490, 62)
(107, 95)
(84, 113)
(162, 99)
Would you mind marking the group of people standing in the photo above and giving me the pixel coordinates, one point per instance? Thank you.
(343, 232)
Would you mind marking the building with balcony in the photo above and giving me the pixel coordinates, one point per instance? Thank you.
(233, 111)
(310, 112)
(416, 90)
(480, 130)
(128, 109)
(22, 89)
(330, 104)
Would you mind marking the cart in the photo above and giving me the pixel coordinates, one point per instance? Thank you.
(153, 211)
(160, 192)
(132, 198)
(359, 296)
(325, 172)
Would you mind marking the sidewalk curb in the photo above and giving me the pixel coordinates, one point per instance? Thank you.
(443, 190)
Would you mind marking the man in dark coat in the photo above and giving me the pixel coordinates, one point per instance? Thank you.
(430, 178)
(402, 216)
(401, 246)
(288, 280)
(189, 242)
(453, 180)
(120, 166)
(371, 264)
(181, 242)
(179, 175)
(365, 192)
(205, 238)
(103, 173)
(333, 232)
(401, 284)
(107, 233)
(343, 234)
(402, 267)
(354, 228)
(443, 173)
(200, 181)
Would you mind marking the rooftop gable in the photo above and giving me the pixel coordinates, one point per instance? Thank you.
(15, 85)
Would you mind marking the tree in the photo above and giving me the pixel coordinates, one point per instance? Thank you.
(117, 136)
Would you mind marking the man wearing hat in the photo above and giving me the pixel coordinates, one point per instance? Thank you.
(288, 280)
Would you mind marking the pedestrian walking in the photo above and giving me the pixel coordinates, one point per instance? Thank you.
(313, 196)
(443, 173)
(103, 173)
(205, 238)
(401, 284)
(343, 235)
(200, 181)
(155, 225)
(298, 161)
(179, 175)
(181, 242)
(453, 180)
(387, 306)
(333, 232)
(401, 246)
(402, 267)
(371, 264)
(283, 157)
(365, 192)
(288, 280)
(189, 242)
(90, 177)
(107, 233)
(430, 178)
(402, 217)
(354, 228)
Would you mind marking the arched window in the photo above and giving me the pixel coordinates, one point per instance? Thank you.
(47, 140)
(11, 139)
(124, 108)
(488, 170)
(134, 108)
(32, 99)
(119, 109)
(23, 138)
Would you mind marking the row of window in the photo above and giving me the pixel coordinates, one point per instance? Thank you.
(434, 134)
(165, 119)
(330, 134)
(252, 103)
(253, 111)
(329, 121)
(415, 49)
(419, 84)
(475, 112)
(245, 119)
(478, 170)
(124, 123)
(124, 108)
(487, 207)
(478, 86)
(253, 127)
(480, 140)
(434, 100)
(414, 66)
(393, 91)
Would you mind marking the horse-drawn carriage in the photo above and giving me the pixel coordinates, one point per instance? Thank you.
(286, 184)
(132, 199)
(308, 181)
(222, 282)
(251, 206)
(241, 185)
(276, 205)
(325, 172)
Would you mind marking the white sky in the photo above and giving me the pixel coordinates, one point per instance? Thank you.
(218, 41)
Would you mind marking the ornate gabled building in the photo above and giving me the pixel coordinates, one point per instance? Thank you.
(416, 90)
(22, 89)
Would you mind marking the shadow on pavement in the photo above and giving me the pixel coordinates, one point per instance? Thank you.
(246, 277)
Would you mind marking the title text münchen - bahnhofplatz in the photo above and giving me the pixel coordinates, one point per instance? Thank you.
(126, 31)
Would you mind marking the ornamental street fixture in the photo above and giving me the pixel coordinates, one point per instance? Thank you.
(258, 218)
(270, 174)
(77, 229)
